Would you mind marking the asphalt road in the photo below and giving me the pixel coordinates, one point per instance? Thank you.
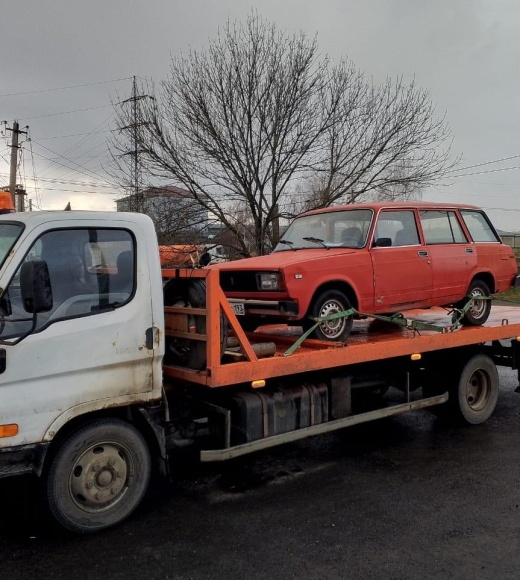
(406, 497)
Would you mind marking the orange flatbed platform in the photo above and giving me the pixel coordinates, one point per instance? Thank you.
(371, 340)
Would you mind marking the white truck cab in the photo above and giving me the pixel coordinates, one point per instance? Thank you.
(81, 323)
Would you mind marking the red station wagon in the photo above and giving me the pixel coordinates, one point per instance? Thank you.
(379, 258)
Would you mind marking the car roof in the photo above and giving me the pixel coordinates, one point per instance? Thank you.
(376, 206)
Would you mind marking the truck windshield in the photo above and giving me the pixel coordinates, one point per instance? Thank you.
(334, 229)
(9, 233)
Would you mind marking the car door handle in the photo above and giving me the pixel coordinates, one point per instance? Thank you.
(469, 250)
(423, 253)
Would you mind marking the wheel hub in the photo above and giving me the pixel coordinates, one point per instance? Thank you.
(100, 477)
(332, 328)
(478, 390)
(478, 305)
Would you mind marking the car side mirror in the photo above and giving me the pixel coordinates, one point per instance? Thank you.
(383, 243)
(35, 286)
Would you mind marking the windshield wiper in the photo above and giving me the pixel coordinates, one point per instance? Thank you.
(317, 241)
(288, 243)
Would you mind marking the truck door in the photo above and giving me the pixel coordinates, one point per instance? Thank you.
(401, 265)
(92, 345)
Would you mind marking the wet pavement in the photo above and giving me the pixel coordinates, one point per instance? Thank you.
(406, 497)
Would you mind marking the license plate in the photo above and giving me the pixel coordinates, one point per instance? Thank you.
(238, 308)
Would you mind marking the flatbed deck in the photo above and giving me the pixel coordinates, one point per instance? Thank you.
(371, 340)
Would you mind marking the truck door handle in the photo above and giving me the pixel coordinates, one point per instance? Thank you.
(469, 250)
(152, 338)
(423, 253)
(3, 360)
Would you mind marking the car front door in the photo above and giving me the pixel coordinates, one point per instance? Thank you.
(401, 264)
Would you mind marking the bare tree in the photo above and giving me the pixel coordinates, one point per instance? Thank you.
(240, 124)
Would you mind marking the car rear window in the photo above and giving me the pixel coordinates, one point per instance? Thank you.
(441, 227)
(479, 226)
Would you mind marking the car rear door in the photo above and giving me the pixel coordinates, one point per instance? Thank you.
(453, 257)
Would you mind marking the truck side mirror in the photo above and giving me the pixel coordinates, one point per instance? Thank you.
(383, 243)
(35, 286)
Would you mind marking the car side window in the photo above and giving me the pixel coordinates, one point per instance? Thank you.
(441, 227)
(479, 227)
(91, 270)
(397, 226)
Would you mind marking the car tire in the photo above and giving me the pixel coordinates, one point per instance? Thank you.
(327, 303)
(479, 311)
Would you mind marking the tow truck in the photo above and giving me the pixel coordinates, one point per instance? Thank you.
(110, 365)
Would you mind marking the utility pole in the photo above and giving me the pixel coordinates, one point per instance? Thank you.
(136, 199)
(14, 165)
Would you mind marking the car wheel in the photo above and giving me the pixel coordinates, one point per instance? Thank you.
(328, 303)
(479, 310)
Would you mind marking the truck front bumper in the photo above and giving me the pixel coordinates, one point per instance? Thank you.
(22, 459)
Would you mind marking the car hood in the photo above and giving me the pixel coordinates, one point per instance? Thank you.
(278, 260)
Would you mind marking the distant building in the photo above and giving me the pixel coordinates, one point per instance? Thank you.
(177, 218)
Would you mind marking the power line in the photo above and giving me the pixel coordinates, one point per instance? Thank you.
(73, 135)
(69, 112)
(91, 174)
(482, 164)
(67, 182)
(488, 171)
(64, 88)
(113, 192)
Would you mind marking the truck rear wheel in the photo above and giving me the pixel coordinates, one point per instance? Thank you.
(473, 391)
(98, 476)
(477, 391)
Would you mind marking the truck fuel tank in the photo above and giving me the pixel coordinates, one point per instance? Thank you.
(257, 414)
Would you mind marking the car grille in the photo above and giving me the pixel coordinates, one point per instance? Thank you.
(238, 281)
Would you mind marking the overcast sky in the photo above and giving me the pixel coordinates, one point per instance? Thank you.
(466, 53)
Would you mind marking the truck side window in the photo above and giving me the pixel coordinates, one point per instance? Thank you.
(91, 271)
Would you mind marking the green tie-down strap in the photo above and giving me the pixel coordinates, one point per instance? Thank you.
(398, 318)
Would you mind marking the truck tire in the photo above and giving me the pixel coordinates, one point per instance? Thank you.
(181, 351)
(331, 302)
(98, 476)
(476, 394)
(479, 311)
(473, 391)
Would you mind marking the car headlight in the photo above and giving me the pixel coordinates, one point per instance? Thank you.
(269, 281)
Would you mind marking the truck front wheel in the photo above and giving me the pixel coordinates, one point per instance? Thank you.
(98, 476)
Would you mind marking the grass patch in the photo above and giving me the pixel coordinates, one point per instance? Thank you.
(511, 296)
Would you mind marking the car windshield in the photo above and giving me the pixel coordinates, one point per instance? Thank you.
(9, 233)
(334, 229)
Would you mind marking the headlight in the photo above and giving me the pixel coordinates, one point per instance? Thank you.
(268, 281)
